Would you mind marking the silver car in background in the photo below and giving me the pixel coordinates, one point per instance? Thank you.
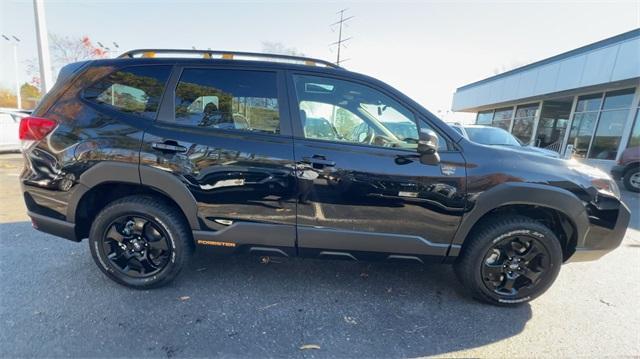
(495, 136)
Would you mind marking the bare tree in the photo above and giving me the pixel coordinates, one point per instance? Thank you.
(65, 50)
(274, 47)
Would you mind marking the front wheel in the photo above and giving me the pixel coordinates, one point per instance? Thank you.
(510, 260)
(140, 241)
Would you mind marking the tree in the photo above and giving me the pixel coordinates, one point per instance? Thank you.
(273, 47)
(65, 50)
(30, 96)
(7, 98)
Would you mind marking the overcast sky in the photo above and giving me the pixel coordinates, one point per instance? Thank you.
(426, 49)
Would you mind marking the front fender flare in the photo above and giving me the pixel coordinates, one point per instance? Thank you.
(513, 193)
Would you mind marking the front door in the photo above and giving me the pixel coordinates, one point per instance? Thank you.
(362, 189)
(222, 133)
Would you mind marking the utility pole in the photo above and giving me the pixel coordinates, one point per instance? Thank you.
(46, 80)
(17, 71)
(341, 41)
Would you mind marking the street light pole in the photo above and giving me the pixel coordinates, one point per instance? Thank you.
(46, 81)
(15, 60)
(15, 69)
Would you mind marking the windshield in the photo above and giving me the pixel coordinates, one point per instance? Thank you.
(491, 136)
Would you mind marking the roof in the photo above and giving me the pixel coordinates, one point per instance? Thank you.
(587, 48)
(591, 67)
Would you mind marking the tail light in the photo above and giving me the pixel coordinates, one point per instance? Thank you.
(35, 128)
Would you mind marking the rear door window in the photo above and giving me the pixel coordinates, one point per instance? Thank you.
(135, 90)
(240, 100)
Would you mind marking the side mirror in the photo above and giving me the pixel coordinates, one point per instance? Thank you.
(428, 147)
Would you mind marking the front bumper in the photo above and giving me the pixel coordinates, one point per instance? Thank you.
(617, 172)
(600, 240)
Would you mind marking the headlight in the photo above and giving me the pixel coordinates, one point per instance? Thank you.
(599, 179)
(607, 187)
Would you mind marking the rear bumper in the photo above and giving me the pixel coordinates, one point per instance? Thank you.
(617, 172)
(54, 226)
(600, 241)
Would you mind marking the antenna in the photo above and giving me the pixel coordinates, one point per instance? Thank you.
(341, 41)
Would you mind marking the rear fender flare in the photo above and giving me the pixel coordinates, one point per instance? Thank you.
(119, 172)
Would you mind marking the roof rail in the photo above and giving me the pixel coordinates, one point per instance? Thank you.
(226, 55)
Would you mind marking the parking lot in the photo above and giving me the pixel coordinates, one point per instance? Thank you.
(55, 302)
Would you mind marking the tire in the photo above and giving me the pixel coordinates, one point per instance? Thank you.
(157, 248)
(487, 271)
(631, 180)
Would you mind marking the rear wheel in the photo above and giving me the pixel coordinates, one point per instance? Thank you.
(509, 260)
(140, 241)
(631, 180)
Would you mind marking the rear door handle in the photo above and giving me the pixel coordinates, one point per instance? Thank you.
(169, 146)
(318, 160)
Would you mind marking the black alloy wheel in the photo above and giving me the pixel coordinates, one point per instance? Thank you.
(513, 266)
(141, 241)
(509, 260)
(136, 246)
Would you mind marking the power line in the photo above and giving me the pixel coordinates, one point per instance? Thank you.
(341, 41)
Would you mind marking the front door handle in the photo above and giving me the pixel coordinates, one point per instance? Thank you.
(319, 160)
(169, 146)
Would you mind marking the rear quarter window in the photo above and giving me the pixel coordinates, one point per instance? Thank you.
(136, 90)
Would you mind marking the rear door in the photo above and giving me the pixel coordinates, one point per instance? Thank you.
(223, 134)
(363, 191)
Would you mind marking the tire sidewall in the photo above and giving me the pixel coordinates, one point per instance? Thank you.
(113, 212)
(627, 180)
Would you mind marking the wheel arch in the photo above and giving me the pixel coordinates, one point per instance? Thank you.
(630, 166)
(560, 210)
(108, 181)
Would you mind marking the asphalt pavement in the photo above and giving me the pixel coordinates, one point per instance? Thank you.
(54, 302)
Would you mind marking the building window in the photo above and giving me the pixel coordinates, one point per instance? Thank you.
(598, 123)
(634, 139)
(502, 118)
(554, 118)
(613, 117)
(484, 118)
(523, 122)
(584, 120)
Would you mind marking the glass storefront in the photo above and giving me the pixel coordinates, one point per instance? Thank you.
(584, 121)
(553, 124)
(634, 137)
(523, 122)
(613, 117)
(484, 118)
(598, 124)
(595, 132)
(502, 118)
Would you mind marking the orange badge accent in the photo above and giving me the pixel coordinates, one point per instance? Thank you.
(215, 243)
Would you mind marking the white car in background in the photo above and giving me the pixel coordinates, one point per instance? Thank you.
(9, 124)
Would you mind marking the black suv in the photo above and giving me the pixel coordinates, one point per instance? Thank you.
(158, 152)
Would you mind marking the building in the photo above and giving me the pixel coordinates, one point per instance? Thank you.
(584, 101)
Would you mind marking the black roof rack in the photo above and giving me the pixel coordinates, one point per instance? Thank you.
(226, 55)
